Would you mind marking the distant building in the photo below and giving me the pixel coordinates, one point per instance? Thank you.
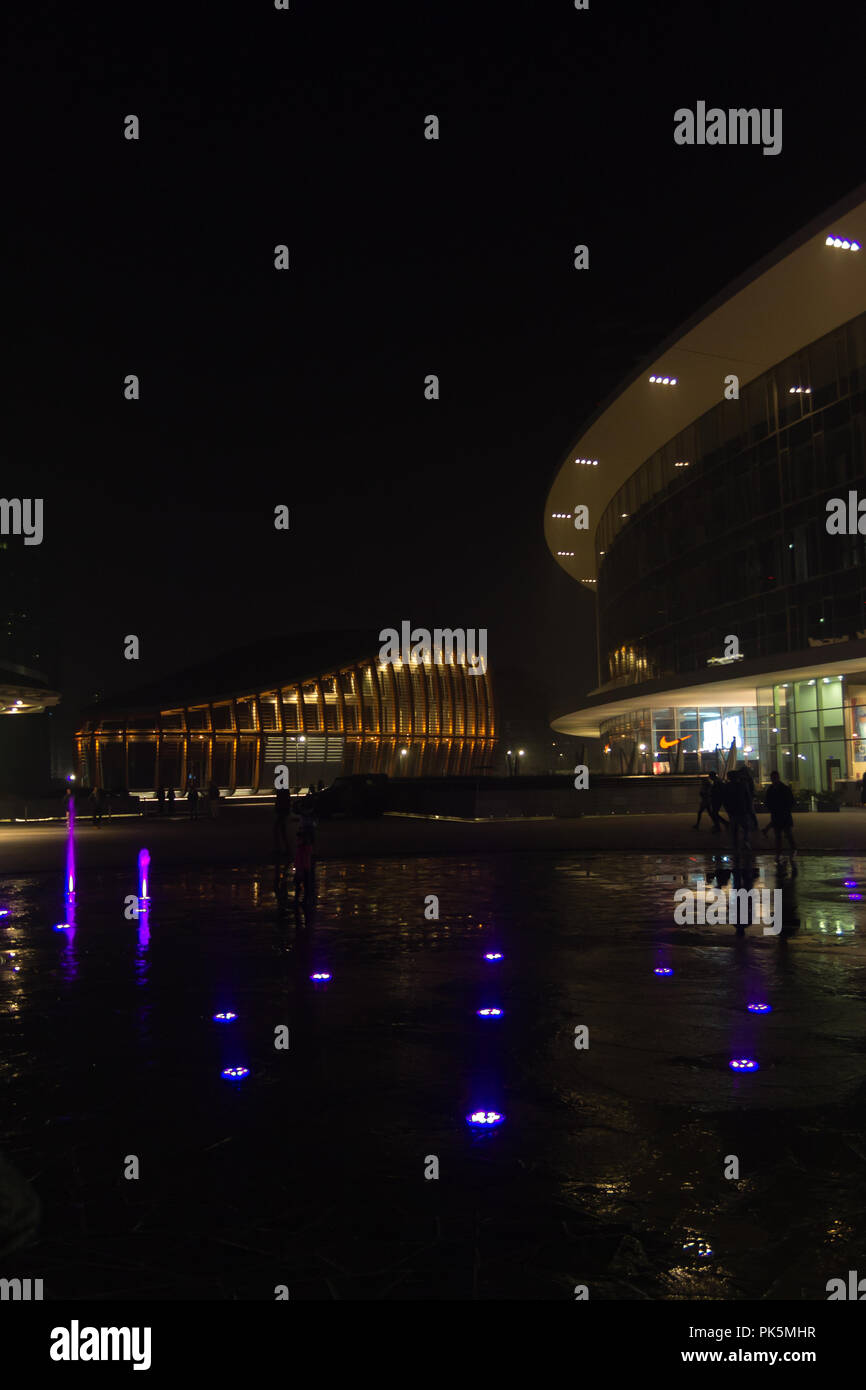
(729, 611)
(319, 703)
(27, 670)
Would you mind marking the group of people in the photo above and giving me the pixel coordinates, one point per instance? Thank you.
(736, 796)
(166, 801)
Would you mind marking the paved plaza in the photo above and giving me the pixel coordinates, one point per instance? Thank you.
(609, 1167)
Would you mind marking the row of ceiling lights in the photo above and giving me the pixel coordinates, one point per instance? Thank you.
(840, 243)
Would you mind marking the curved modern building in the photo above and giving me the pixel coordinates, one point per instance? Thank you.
(731, 601)
(318, 703)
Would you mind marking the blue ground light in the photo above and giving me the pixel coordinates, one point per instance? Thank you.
(321, 977)
(743, 1064)
(224, 1017)
(484, 1119)
(663, 970)
(489, 1013)
(760, 1008)
(61, 926)
(493, 955)
(235, 1073)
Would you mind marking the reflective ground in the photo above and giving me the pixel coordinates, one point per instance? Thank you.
(609, 1169)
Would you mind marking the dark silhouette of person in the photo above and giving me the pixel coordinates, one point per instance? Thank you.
(717, 797)
(703, 801)
(306, 839)
(738, 804)
(779, 801)
(213, 799)
(746, 775)
(192, 799)
(170, 801)
(160, 797)
(97, 796)
(282, 816)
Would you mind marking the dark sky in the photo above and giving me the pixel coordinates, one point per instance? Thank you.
(407, 257)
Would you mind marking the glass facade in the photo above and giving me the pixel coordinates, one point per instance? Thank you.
(725, 526)
(802, 731)
(812, 730)
(679, 740)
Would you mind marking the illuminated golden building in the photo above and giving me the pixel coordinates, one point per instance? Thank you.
(237, 718)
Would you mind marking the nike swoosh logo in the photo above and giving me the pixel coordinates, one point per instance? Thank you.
(672, 742)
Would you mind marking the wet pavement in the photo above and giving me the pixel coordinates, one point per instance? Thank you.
(609, 1168)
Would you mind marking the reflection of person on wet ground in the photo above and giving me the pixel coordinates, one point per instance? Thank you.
(717, 870)
(738, 805)
(779, 801)
(282, 816)
(744, 874)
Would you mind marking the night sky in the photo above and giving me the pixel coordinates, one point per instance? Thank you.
(407, 257)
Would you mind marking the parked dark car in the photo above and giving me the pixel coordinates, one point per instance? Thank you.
(353, 796)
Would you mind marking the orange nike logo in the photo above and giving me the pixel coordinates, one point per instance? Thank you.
(672, 742)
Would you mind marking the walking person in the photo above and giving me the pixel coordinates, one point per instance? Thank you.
(717, 797)
(738, 806)
(192, 800)
(213, 799)
(170, 801)
(96, 797)
(779, 801)
(746, 775)
(160, 799)
(304, 848)
(704, 804)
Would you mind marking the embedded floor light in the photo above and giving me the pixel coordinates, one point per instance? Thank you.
(484, 1119)
(697, 1247)
(743, 1064)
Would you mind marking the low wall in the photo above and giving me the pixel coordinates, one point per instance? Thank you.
(542, 796)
